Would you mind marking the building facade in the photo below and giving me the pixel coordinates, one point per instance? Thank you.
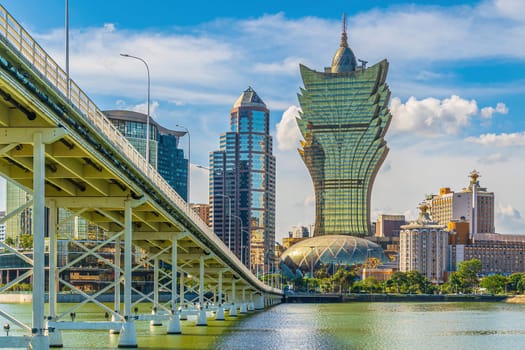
(343, 122)
(473, 204)
(164, 152)
(242, 184)
(423, 247)
(2, 227)
(389, 225)
(203, 210)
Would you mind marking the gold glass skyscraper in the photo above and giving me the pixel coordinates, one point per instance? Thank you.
(343, 121)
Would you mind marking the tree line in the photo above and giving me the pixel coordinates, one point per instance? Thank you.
(465, 280)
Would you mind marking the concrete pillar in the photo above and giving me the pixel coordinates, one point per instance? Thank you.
(174, 322)
(128, 335)
(55, 336)
(39, 340)
(219, 315)
(259, 302)
(116, 301)
(244, 307)
(233, 307)
(201, 318)
(182, 297)
(155, 292)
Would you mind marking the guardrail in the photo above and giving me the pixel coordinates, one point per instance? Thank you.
(36, 56)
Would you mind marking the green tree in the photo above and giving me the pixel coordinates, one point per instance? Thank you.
(495, 284)
(466, 277)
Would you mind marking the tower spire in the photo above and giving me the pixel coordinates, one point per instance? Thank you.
(344, 40)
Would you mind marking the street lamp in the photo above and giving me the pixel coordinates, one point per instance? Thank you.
(189, 158)
(242, 229)
(148, 102)
(229, 218)
(67, 51)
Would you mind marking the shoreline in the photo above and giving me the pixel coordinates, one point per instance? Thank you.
(349, 298)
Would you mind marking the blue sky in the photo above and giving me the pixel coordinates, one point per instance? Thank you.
(457, 76)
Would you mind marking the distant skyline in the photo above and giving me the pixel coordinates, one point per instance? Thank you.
(457, 76)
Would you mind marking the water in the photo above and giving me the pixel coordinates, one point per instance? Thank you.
(327, 326)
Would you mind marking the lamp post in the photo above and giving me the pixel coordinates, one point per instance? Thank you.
(67, 50)
(148, 102)
(189, 159)
(242, 229)
(229, 218)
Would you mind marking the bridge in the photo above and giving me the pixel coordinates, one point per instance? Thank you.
(59, 147)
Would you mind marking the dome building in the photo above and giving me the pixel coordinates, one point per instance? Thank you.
(332, 250)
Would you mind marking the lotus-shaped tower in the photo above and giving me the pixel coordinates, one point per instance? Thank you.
(343, 121)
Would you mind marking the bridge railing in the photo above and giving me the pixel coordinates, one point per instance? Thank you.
(37, 57)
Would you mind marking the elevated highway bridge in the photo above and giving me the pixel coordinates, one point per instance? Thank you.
(59, 147)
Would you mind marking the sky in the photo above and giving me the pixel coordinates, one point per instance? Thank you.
(457, 77)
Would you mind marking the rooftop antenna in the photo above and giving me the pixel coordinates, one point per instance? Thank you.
(363, 64)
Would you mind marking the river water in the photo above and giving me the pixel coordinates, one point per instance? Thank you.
(392, 326)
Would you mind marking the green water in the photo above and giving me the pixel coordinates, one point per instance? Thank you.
(327, 326)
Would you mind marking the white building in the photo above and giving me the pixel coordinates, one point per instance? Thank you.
(423, 247)
(472, 202)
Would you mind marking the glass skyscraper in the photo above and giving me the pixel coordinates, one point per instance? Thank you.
(343, 122)
(164, 152)
(242, 184)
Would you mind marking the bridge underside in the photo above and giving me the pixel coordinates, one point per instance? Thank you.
(66, 154)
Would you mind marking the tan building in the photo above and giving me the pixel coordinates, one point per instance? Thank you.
(203, 210)
(498, 253)
(389, 225)
(473, 204)
(423, 247)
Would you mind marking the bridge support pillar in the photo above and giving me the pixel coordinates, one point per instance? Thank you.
(39, 340)
(128, 335)
(174, 322)
(259, 302)
(219, 315)
(244, 307)
(155, 292)
(233, 307)
(55, 336)
(182, 295)
(201, 317)
(116, 302)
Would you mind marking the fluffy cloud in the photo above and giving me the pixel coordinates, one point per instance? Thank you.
(432, 116)
(288, 134)
(493, 158)
(508, 211)
(488, 112)
(500, 140)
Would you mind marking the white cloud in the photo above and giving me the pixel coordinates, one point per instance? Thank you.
(500, 140)
(432, 116)
(109, 27)
(288, 66)
(143, 108)
(508, 211)
(488, 112)
(288, 134)
(493, 158)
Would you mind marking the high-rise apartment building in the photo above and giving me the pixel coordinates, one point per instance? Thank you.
(423, 247)
(203, 210)
(165, 154)
(473, 204)
(389, 225)
(242, 184)
(343, 121)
